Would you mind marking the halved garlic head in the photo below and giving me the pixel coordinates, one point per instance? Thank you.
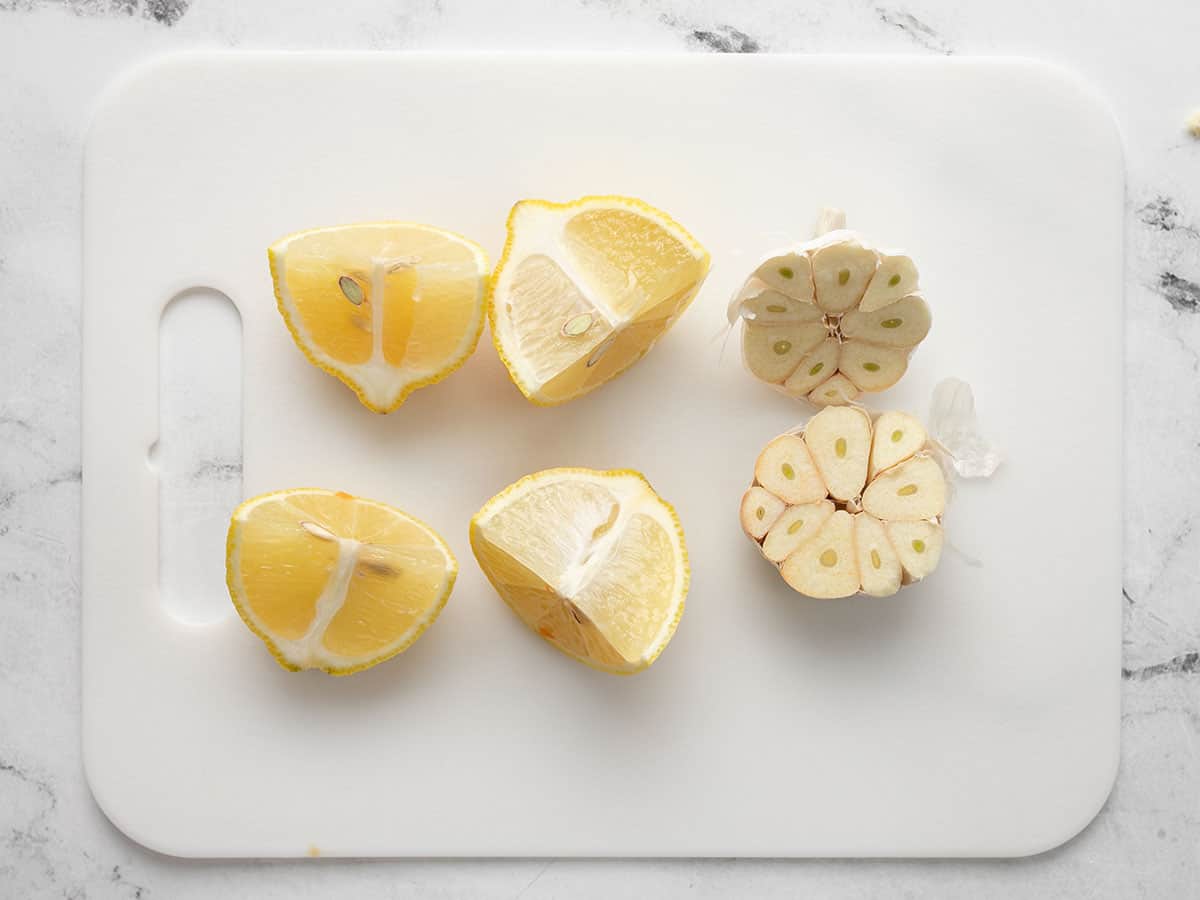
(831, 319)
(849, 505)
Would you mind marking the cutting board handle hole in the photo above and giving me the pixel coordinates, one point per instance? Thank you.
(198, 454)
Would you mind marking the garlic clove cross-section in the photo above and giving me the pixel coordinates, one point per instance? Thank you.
(839, 440)
(897, 437)
(907, 492)
(825, 567)
(878, 563)
(795, 526)
(815, 368)
(760, 509)
(772, 351)
(837, 390)
(786, 469)
(788, 273)
(919, 546)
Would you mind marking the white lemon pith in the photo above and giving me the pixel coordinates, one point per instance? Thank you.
(334, 582)
(850, 505)
(583, 290)
(594, 562)
(831, 318)
(386, 307)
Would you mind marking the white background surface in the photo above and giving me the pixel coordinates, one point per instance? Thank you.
(974, 714)
(54, 842)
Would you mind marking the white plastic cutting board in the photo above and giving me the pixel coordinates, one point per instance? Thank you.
(974, 714)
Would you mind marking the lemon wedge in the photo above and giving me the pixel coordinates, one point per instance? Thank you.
(387, 307)
(583, 290)
(594, 562)
(334, 582)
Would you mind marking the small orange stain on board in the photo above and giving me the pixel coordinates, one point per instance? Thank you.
(313, 851)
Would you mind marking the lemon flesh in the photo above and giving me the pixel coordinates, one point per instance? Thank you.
(334, 582)
(594, 562)
(387, 307)
(583, 290)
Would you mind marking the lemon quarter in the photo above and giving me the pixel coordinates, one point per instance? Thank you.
(594, 562)
(334, 582)
(387, 307)
(583, 290)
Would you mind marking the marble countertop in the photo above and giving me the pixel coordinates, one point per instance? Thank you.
(56, 56)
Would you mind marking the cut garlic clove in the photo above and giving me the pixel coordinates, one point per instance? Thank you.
(760, 510)
(773, 308)
(897, 436)
(788, 273)
(837, 390)
(894, 280)
(878, 564)
(871, 367)
(785, 468)
(914, 489)
(825, 567)
(839, 439)
(815, 368)
(794, 527)
(918, 545)
(901, 324)
(772, 352)
(841, 272)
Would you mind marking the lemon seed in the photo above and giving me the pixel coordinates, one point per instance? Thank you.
(776, 308)
(759, 513)
(817, 368)
(871, 366)
(577, 325)
(875, 560)
(782, 347)
(843, 276)
(786, 272)
(907, 491)
(829, 559)
(919, 545)
(795, 526)
(352, 290)
(839, 447)
(788, 472)
(318, 531)
(896, 435)
(892, 323)
(894, 280)
(375, 567)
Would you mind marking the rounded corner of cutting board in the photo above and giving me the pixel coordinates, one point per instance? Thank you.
(109, 801)
(1051, 81)
(1075, 817)
(156, 74)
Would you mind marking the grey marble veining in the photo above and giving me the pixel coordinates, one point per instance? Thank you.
(56, 56)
